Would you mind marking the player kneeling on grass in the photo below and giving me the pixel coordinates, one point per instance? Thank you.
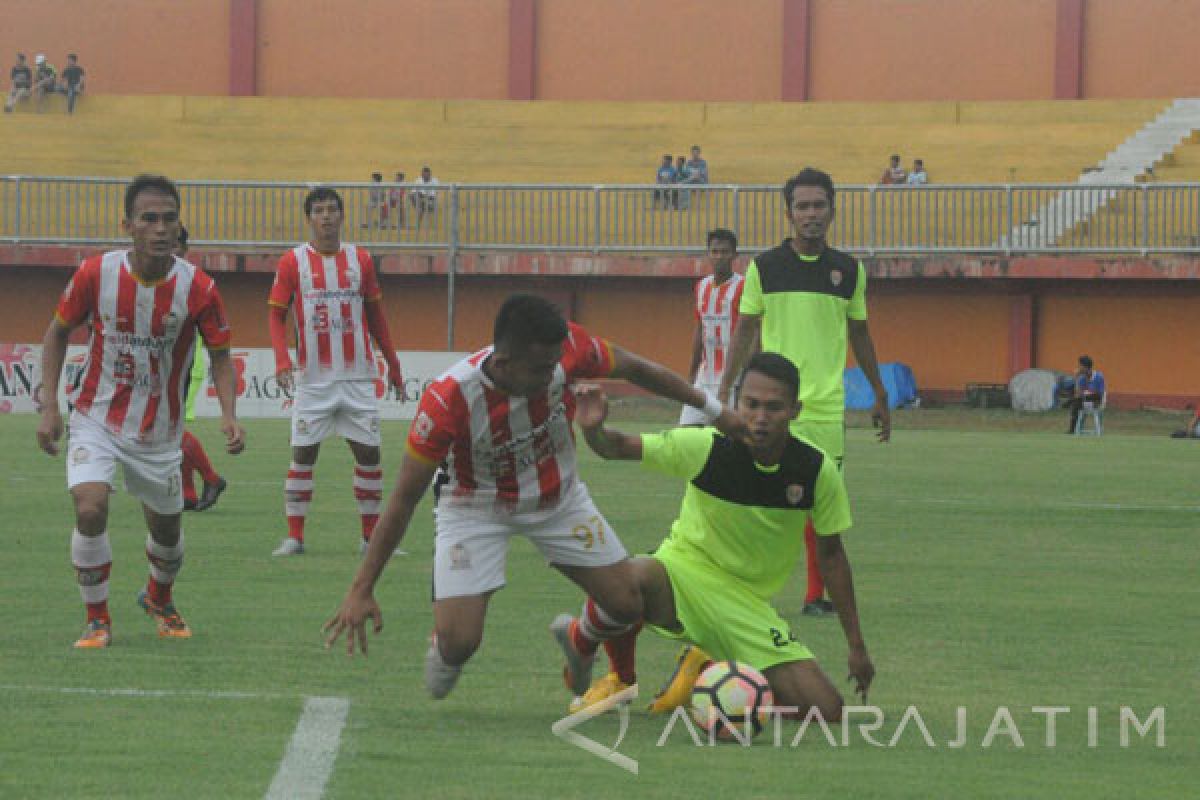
(735, 544)
(500, 423)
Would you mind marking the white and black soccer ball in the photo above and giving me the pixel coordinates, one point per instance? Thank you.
(730, 700)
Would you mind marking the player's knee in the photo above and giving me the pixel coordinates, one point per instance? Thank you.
(457, 648)
(91, 516)
(624, 604)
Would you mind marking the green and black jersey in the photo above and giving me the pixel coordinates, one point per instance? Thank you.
(804, 302)
(743, 518)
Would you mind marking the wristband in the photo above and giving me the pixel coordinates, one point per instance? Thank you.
(712, 406)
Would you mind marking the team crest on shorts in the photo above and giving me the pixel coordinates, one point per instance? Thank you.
(80, 455)
(835, 277)
(302, 427)
(422, 426)
(459, 557)
(794, 494)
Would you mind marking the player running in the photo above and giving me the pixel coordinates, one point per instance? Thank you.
(145, 307)
(500, 421)
(735, 542)
(336, 297)
(716, 302)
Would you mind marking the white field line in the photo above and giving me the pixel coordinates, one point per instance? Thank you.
(311, 753)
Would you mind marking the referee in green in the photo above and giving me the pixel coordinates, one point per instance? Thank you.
(805, 300)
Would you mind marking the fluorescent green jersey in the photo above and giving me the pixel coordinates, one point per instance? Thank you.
(742, 518)
(804, 302)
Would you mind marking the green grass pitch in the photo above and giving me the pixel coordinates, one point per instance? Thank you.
(998, 563)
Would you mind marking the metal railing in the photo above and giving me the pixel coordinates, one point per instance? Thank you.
(1026, 218)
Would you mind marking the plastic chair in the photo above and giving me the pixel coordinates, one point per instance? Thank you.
(1094, 411)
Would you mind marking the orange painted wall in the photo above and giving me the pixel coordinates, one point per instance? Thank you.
(1141, 49)
(662, 50)
(1147, 343)
(383, 48)
(949, 338)
(873, 50)
(1146, 338)
(126, 46)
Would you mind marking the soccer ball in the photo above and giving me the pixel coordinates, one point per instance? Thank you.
(728, 700)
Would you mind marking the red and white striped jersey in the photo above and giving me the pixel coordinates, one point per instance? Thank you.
(142, 342)
(333, 342)
(504, 453)
(716, 314)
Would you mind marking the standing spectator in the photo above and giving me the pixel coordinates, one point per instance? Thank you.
(45, 80)
(72, 81)
(695, 171)
(1089, 389)
(679, 198)
(664, 176)
(377, 207)
(21, 77)
(894, 173)
(396, 201)
(424, 199)
(918, 176)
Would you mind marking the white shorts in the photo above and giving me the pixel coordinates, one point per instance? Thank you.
(698, 416)
(347, 408)
(470, 549)
(151, 475)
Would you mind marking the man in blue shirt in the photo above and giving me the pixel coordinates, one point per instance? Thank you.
(664, 176)
(1089, 388)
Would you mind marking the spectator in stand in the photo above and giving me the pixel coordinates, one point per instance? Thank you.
(894, 173)
(695, 171)
(679, 198)
(45, 80)
(1089, 389)
(424, 199)
(72, 81)
(377, 203)
(918, 176)
(21, 77)
(664, 176)
(396, 201)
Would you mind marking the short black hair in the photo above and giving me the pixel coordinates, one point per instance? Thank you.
(776, 367)
(151, 183)
(721, 235)
(376, 176)
(320, 195)
(72, 57)
(808, 177)
(527, 319)
(1085, 361)
(20, 56)
(183, 237)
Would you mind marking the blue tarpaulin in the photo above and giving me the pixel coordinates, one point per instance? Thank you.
(897, 379)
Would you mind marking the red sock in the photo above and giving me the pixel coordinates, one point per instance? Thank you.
(581, 642)
(189, 483)
(622, 655)
(296, 528)
(160, 593)
(98, 611)
(193, 452)
(368, 525)
(816, 584)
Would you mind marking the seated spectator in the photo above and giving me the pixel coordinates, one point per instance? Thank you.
(45, 80)
(664, 176)
(679, 199)
(894, 173)
(918, 176)
(396, 201)
(1089, 388)
(424, 200)
(72, 81)
(21, 77)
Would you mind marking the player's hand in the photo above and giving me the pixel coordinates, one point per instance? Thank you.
(591, 406)
(732, 425)
(881, 417)
(284, 378)
(50, 429)
(352, 618)
(862, 671)
(235, 436)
